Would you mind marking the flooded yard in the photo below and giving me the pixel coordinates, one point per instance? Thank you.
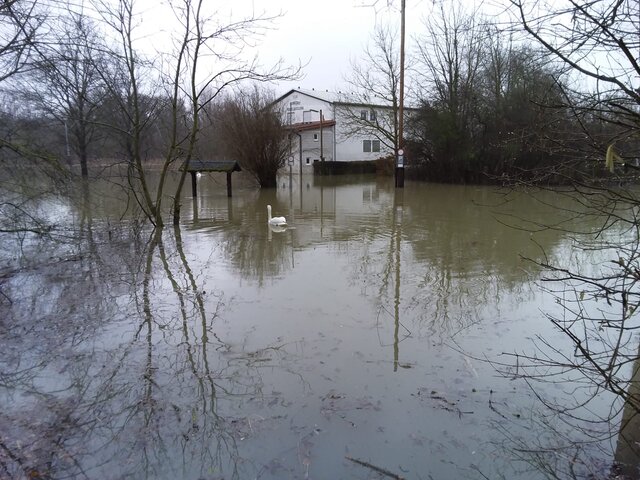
(364, 340)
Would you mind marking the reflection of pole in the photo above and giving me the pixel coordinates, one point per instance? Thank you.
(399, 160)
(321, 208)
(396, 309)
(293, 260)
(397, 225)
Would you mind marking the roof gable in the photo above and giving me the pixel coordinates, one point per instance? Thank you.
(337, 98)
(309, 93)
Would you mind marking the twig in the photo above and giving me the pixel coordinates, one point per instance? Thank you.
(373, 467)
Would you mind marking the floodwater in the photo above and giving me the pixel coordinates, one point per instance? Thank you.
(365, 340)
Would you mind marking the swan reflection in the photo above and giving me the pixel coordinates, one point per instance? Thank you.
(277, 228)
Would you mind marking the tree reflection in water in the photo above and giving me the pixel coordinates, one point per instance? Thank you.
(356, 333)
(88, 391)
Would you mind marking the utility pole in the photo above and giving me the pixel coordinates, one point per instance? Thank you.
(321, 149)
(400, 153)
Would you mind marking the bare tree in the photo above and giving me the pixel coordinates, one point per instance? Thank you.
(375, 81)
(64, 83)
(451, 53)
(599, 42)
(205, 36)
(521, 113)
(598, 300)
(23, 29)
(185, 82)
(20, 26)
(251, 132)
(21, 22)
(124, 77)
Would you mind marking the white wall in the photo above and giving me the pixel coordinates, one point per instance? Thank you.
(296, 107)
(311, 148)
(350, 148)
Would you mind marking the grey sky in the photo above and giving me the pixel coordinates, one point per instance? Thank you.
(328, 34)
(324, 34)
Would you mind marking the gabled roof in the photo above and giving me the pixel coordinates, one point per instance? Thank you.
(339, 98)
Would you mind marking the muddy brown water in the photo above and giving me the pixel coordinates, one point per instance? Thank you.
(364, 340)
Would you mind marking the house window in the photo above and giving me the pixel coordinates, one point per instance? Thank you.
(308, 160)
(370, 146)
(315, 137)
(363, 114)
(372, 115)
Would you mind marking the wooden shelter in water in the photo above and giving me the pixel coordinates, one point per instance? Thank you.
(203, 166)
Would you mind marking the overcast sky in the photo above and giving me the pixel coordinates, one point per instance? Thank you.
(326, 34)
(323, 35)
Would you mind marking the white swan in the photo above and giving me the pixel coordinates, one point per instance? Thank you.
(275, 220)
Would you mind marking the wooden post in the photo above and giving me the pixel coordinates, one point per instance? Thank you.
(228, 184)
(194, 185)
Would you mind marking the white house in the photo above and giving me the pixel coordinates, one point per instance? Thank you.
(323, 125)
